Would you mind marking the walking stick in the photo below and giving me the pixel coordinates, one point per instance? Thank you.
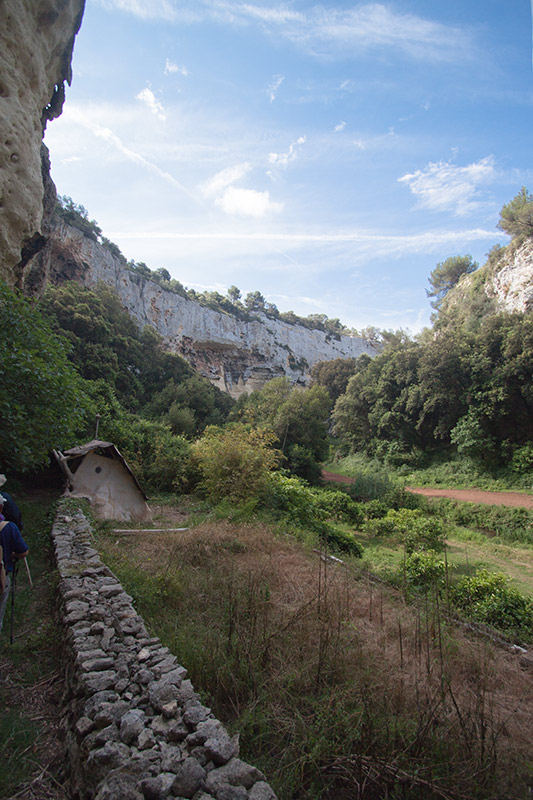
(13, 580)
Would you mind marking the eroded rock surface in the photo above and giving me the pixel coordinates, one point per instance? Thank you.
(36, 41)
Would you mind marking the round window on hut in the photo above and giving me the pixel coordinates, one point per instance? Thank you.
(98, 469)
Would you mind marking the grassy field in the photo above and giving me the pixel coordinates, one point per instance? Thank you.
(339, 688)
(30, 688)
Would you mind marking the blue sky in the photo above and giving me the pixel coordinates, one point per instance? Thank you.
(326, 155)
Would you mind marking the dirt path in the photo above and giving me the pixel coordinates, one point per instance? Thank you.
(514, 499)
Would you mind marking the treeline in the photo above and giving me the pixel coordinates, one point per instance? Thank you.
(232, 303)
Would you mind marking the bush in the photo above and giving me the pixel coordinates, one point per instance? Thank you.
(294, 499)
(408, 526)
(339, 505)
(488, 597)
(338, 540)
(235, 462)
(423, 571)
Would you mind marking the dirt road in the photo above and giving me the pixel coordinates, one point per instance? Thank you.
(514, 499)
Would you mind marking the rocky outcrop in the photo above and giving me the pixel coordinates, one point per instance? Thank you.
(235, 354)
(134, 726)
(36, 41)
(503, 284)
(512, 283)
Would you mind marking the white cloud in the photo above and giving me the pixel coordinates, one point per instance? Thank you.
(283, 159)
(173, 69)
(272, 90)
(147, 97)
(340, 127)
(443, 186)
(247, 202)
(144, 9)
(323, 31)
(236, 200)
(226, 177)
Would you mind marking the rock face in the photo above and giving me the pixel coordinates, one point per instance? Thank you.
(236, 355)
(512, 284)
(36, 41)
(503, 284)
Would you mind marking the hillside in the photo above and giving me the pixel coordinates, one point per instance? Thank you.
(503, 284)
(235, 354)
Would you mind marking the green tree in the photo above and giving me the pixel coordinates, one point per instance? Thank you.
(516, 218)
(334, 375)
(254, 301)
(446, 275)
(42, 397)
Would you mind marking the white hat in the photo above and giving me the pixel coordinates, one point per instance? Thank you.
(3, 479)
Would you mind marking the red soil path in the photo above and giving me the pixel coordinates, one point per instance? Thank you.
(515, 499)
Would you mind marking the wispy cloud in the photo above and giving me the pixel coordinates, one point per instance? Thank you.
(106, 134)
(226, 177)
(272, 90)
(173, 69)
(284, 159)
(443, 186)
(340, 127)
(144, 9)
(147, 97)
(321, 30)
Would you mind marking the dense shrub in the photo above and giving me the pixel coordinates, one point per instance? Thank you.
(423, 571)
(339, 540)
(510, 524)
(409, 526)
(295, 500)
(488, 597)
(235, 462)
(339, 505)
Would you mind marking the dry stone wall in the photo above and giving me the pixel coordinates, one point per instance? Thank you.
(135, 728)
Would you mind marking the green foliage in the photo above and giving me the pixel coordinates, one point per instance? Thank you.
(509, 524)
(77, 216)
(423, 571)
(516, 217)
(235, 462)
(334, 375)
(159, 459)
(447, 274)
(298, 418)
(294, 499)
(338, 540)
(404, 404)
(410, 527)
(42, 399)
(488, 597)
(339, 505)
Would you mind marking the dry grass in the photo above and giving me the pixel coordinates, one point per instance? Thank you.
(399, 703)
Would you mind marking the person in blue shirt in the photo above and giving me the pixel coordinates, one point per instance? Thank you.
(13, 548)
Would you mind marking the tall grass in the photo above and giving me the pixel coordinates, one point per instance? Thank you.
(338, 688)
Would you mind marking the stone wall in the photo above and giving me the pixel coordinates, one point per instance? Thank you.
(135, 728)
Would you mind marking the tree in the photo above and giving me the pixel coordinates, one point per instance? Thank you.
(42, 398)
(254, 301)
(334, 375)
(234, 295)
(516, 218)
(446, 275)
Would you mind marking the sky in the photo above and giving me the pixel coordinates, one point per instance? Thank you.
(327, 155)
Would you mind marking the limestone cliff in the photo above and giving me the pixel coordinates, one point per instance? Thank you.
(503, 284)
(235, 354)
(36, 41)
